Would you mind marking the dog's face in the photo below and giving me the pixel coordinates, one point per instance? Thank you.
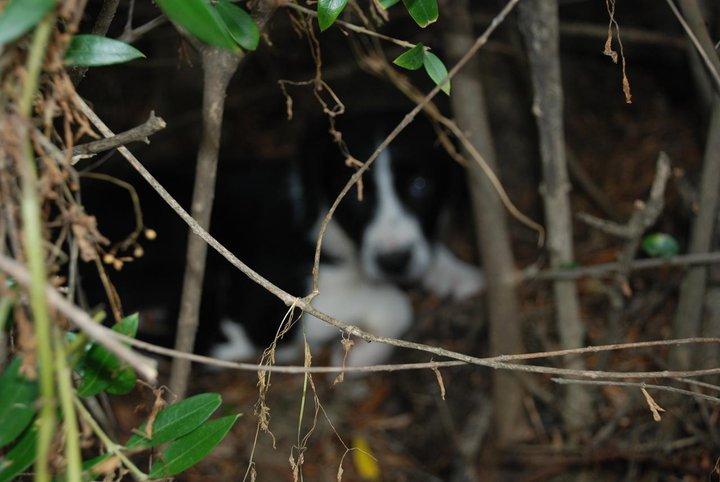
(394, 223)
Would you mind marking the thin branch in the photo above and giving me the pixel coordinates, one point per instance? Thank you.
(304, 305)
(664, 388)
(136, 134)
(146, 367)
(693, 259)
(711, 64)
(350, 26)
(134, 34)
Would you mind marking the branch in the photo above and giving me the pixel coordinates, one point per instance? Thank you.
(693, 259)
(571, 381)
(145, 367)
(136, 134)
(304, 305)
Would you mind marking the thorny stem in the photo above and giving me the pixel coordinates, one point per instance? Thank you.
(30, 209)
(111, 446)
(65, 391)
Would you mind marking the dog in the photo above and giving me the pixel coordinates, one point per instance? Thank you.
(382, 239)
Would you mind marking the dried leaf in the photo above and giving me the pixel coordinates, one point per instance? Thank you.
(653, 406)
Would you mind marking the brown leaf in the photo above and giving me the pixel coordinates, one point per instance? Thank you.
(653, 406)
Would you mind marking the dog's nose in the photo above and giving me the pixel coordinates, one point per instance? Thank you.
(394, 263)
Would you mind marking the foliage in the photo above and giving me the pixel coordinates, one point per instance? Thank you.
(181, 431)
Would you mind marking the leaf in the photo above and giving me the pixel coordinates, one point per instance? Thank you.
(365, 464)
(102, 464)
(177, 420)
(20, 457)
(94, 51)
(436, 70)
(19, 16)
(411, 59)
(240, 24)
(655, 409)
(328, 12)
(188, 450)
(387, 3)
(17, 402)
(424, 12)
(201, 20)
(660, 245)
(102, 370)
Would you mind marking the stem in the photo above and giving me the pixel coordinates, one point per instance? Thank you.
(70, 424)
(107, 441)
(33, 239)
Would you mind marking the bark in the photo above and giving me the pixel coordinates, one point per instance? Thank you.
(468, 105)
(688, 320)
(539, 23)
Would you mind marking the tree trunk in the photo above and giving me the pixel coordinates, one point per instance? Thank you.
(539, 23)
(468, 105)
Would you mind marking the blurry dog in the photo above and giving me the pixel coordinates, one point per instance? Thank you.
(378, 242)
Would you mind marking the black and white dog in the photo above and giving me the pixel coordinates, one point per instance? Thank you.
(377, 244)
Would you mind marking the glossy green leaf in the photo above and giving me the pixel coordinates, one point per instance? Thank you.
(102, 370)
(240, 24)
(188, 450)
(19, 16)
(388, 3)
(411, 59)
(94, 51)
(177, 420)
(424, 12)
(660, 245)
(200, 19)
(17, 402)
(20, 457)
(328, 12)
(436, 70)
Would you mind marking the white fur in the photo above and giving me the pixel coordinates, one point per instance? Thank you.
(377, 307)
(392, 227)
(449, 277)
(238, 346)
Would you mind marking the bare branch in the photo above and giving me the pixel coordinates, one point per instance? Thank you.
(664, 388)
(136, 134)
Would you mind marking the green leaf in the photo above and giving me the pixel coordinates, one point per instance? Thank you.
(411, 59)
(240, 24)
(424, 12)
(20, 457)
(94, 51)
(177, 420)
(17, 402)
(19, 16)
(102, 370)
(388, 3)
(188, 450)
(660, 245)
(328, 12)
(201, 20)
(436, 70)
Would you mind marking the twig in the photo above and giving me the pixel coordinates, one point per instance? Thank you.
(111, 446)
(34, 252)
(664, 388)
(713, 64)
(615, 267)
(305, 306)
(350, 26)
(133, 35)
(136, 134)
(145, 367)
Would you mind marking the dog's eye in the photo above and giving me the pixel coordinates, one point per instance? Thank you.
(418, 187)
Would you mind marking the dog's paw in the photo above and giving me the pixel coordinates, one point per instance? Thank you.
(449, 277)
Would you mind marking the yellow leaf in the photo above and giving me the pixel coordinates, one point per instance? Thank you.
(365, 463)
